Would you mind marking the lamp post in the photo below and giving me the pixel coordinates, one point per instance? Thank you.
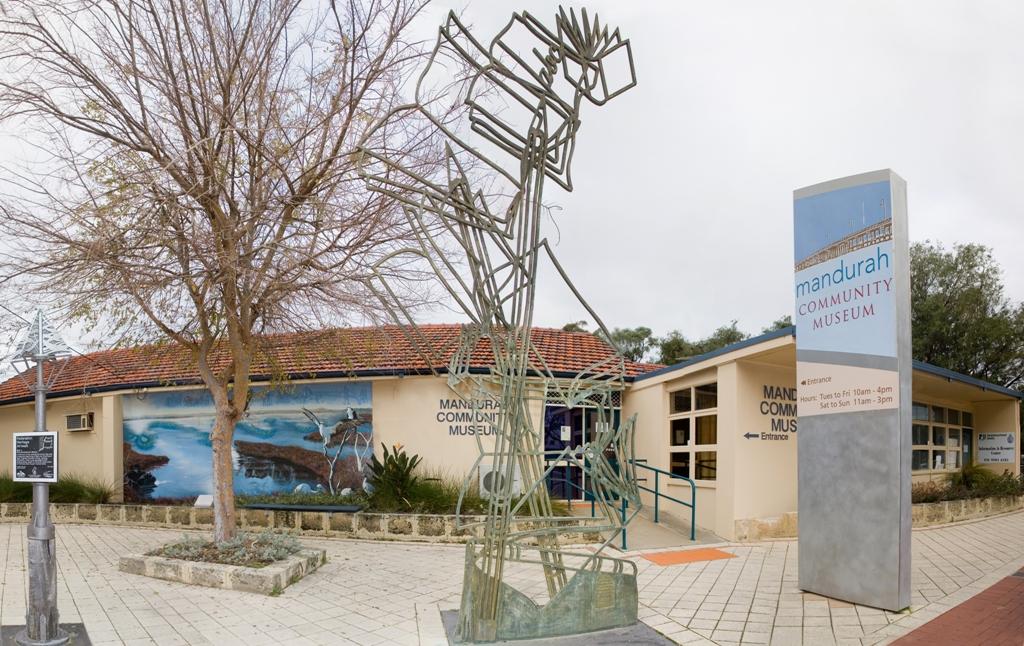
(40, 343)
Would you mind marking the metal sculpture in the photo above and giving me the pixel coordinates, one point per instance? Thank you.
(484, 244)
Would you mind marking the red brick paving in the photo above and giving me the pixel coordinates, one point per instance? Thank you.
(995, 617)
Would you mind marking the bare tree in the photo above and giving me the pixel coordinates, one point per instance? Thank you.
(201, 183)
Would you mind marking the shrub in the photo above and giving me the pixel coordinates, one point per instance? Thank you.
(252, 550)
(928, 492)
(72, 488)
(393, 477)
(971, 481)
(11, 491)
(317, 498)
(68, 489)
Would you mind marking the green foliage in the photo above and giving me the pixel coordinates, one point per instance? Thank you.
(433, 492)
(318, 498)
(675, 347)
(778, 324)
(68, 489)
(252, 550)
(393, 477)
(634, 343)
(575, 326)
(961, 317)
(11, 491)
(971, 481)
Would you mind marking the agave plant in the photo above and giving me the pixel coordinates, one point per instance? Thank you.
(393, 476)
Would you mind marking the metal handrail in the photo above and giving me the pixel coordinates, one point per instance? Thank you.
(658, 495)
(640, 463)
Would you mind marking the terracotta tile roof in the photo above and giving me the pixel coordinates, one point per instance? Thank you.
(333, 352)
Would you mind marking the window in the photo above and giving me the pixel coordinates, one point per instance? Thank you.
(940, 437)
(920, 434)
(707, 396)
(707, 429)
(680, 464)
(680, 431)
(919, 460)
(693, 432)
(681, 400)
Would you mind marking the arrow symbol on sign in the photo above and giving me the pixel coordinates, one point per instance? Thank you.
(750, 435)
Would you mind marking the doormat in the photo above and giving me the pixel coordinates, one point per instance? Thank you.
(687, 556)
(639, 634)
(76, 634)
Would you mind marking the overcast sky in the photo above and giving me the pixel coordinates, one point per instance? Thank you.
(682, 212)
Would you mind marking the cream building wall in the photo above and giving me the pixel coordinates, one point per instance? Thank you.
(756, 476)
(649, 400)
(418, 412)
(422, 414)
(95, 454)
(765, 475)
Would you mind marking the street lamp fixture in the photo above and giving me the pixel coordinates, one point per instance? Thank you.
(39, 344)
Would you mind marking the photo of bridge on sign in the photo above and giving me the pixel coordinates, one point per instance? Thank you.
(479, 230)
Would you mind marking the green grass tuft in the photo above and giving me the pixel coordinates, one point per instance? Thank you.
(69, 488)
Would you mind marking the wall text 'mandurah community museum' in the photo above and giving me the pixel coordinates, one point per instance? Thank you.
(726, 419)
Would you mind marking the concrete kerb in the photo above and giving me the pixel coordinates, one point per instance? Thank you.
(269, 580)
(419, 528)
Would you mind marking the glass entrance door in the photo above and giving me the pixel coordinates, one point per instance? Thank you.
(563, 427)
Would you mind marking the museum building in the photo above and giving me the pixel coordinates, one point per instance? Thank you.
(726, 419)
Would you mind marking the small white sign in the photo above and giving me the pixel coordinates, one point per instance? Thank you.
(566, 433)
(996, 448)
(204, 500)
(35, 457)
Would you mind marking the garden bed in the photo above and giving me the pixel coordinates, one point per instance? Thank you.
(270, 580)
(265, 563)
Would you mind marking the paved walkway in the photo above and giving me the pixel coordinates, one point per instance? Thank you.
(390, 593)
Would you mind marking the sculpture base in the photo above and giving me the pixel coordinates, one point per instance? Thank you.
(639, 634)
(73, 635)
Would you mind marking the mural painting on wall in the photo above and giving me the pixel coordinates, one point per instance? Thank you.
(295, 438)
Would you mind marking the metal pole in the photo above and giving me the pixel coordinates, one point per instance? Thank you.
(42, 626)
(624, 503)
(657, 494)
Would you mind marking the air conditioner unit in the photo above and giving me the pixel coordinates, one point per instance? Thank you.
(83, 422)
(490, 480)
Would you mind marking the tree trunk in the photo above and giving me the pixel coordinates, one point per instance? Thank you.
(222, 439)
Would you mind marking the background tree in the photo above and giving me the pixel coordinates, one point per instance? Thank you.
(634, 342)
(575, 326)
(961, 317)
(201, 183)
(778, 324)
(675, 347)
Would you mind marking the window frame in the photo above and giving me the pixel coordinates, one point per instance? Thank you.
(946, 429)
(691, 448)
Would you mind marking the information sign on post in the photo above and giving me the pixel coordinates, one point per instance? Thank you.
(35, 457)
(852, 288)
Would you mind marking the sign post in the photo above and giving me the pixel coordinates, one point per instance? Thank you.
(852, 283)
(35, 456)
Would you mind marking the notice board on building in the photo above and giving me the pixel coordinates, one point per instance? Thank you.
(996, 448)
(35, 457)
(852, 288)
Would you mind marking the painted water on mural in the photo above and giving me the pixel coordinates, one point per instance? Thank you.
(278, 445)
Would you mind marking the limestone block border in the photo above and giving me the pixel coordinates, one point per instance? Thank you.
(922, 514)
(428, 528)
(269, 580)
